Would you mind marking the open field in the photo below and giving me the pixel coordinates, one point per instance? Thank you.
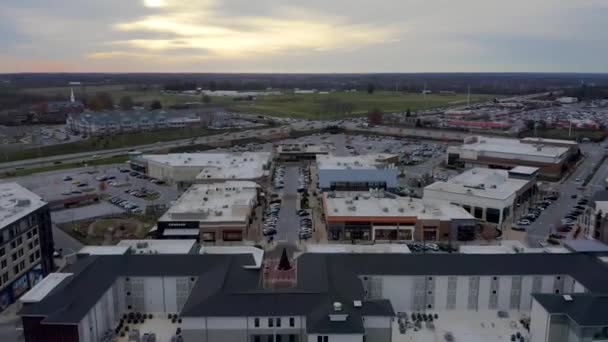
(310, 106)
(343, 104)
(103, 143)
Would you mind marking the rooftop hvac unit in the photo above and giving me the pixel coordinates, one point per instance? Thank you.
(352, 208)
(218, 213)
(23, 202)
(357, 303)
(337, 306)
(385, 209)
(401, 210)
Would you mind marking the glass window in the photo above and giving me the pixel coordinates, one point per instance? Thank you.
(493, 215)
(467, 208)
(278, 322)
(256, 322)
(478, 213)
(292, 322)
(2, 252)
(270, 322)
(325, 338)
(319, 338)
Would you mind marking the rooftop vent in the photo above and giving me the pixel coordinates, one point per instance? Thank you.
(385, 209)
(357, 303)
(568, 298)
(337, 306)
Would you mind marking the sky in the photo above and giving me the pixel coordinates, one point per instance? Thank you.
(287, 36)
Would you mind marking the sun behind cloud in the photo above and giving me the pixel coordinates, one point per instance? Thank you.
(155, 3)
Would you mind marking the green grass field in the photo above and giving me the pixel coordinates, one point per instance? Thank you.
(310, 106)
(332, 106)
(104, 143)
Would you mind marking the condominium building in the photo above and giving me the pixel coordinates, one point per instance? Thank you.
(26, 242)
(244, 296)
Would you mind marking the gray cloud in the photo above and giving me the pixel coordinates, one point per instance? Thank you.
(311, 36)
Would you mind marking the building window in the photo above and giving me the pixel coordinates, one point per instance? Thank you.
(16, 269)
(556, 291)
(492, 215)
(22, 265)
(20, 252)
(325, 338)
(256, 338)
(19, 240)
(5, 277)
(2, 252)
(30, 245)
(270, 322)
(478, 213)
(256, 322)
(292, 338)
(37, 254)
(278, 322)
(319, 338)
(14, 256)
(3, 263)
(292, 322)
(31, 257)
(36, 242)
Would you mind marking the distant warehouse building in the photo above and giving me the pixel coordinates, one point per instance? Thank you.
(184, 169)
(26, 242)
(498, 197)
(502, 153)
(211, 213)
(379, 216)
(357, 172)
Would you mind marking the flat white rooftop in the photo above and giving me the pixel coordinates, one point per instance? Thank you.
(343, 248)
(214, 202)
(524, 170)
(550, 141)
(242, 165)
(16, 202)
(158, 246)
(513, 146)
(378, 204)
(469, 326)
(104, 250)
(303, 148)
(44, 287)
(480, 182)
(366, 161)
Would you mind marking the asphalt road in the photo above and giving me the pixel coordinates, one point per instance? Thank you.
(551, 217)
(288, 224)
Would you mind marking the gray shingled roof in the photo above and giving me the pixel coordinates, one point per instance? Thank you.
(585, 309)
(225, 288)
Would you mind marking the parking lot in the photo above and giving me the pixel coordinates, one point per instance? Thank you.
(108, 182)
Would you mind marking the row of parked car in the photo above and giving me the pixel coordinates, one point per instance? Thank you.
(125, 204)
(140, 193)
(571, 218)
(142, 176)
(303, 178)
(305, 224)
(271, 217)
(533, 213)
(279, 177)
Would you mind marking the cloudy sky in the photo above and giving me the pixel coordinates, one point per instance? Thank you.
(304, 36)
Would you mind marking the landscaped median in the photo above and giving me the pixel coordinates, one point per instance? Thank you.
(65, 166)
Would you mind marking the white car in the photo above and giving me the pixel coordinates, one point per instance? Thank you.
(523, 222)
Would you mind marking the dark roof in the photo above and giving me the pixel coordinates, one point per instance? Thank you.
(225, 288)
(584, 245)
(600, 196)
(584, 309)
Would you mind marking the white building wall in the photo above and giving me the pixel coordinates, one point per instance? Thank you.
(338, 338)
(462, 290)
(441, 293)
(100, 318)
(154, 296)
(377, 322)
(170, 294)
(539, 323)
(505, 284)
(526, 291)
(399, 290)
(388, 175)
(484, 293)
(547, 285)
(578, 287)
(194, 323)
(230, 323)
